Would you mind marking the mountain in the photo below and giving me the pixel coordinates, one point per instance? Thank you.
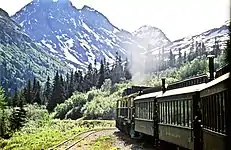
(151, 36)
(21, 58)
(76, 36)
(220, 34)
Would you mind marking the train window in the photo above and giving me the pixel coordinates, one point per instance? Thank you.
(162, 105)
(187, 113)
(162, 113)
(176, 112)
(225, 99)
(141, 110)
(183, 117)
(190, 113)
(166, 114)
(169, 112)
(150, 110)
(147, 110)
(222, 112)
(173, 112)
(170, 109)
(182, 113)
(149, 113)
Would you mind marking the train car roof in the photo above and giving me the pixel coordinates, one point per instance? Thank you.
(184, 90)
(149, 95)
(217, 80)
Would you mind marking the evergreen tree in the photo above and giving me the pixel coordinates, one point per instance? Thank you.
(180, 57)
(171, 59)
(197, 49)
(101, 75)
(37, 98)
(191, 52)
(62, 90)
(2, 110)
(55, 96)
(28, 93)
(15, 100)
(185, 57)
(66, 85)
(71, 85)
(17, 118)
(47, 91)
(76, 81)
(203, 48)
(34, 85)
(107, 70)
(127, 74)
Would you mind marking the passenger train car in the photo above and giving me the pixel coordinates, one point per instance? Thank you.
(189, 114)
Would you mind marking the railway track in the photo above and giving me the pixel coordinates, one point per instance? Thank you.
(71, 142)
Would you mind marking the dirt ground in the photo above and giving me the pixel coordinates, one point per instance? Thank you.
(121, 141)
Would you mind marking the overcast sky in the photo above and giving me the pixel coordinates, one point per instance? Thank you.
(176, 18)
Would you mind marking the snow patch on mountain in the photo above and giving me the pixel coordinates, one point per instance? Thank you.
(55, 24)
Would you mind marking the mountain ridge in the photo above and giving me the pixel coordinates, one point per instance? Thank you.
(78, 38)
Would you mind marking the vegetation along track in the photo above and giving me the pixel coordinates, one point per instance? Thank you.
(69, 143)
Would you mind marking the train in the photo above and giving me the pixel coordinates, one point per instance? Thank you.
(189, 114)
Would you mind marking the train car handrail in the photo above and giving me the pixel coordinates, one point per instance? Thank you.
(149, 95)
(223, 70)
(183, 90)
(189, 82)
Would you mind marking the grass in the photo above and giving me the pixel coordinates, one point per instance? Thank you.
(104, 143)
(51, 134)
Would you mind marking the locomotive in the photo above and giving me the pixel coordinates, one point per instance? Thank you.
(189, 114)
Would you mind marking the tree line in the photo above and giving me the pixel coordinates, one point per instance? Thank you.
(165, 60)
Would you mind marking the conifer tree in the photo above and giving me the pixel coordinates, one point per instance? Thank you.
(15, 100)
(101, 75)
(47, 91)
(55, 96)
(71, 85)
(185, 57)
(180, 57)
(127, 75)
(2, 109)
(37, 98)
(28, 93)
(62, 90)
(18, 116)
(203, 48)
(171, 59)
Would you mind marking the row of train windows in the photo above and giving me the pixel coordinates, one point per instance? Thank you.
(214, 112)
(144, 110)
(122, 104)
(176, 112)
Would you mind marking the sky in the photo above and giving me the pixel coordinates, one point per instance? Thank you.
(176, 18)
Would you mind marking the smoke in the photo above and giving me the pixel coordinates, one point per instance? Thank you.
(136, 64)
(140, 62)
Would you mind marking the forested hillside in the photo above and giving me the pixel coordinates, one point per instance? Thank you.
(21, 58)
